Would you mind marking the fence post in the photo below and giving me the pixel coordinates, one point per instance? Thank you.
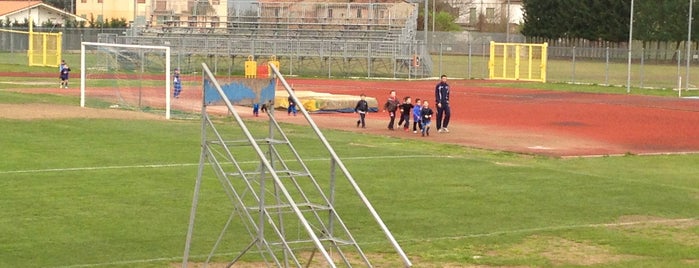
(606, 67)
(485, 60)
(679, 76)
(469, 60)
(643, 60)
(573, 75)
(441, 47)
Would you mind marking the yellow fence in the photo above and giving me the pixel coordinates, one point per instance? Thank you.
(44, 48)
(518, 61)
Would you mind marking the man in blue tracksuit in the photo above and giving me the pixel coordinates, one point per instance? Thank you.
(441, 93)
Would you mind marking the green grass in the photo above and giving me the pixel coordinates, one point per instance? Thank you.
(117, 193)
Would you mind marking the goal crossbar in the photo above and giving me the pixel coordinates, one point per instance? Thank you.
(83, 71)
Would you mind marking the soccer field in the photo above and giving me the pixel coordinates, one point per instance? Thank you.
(115, 191)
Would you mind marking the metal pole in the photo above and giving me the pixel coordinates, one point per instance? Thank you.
(424, 23)
(628, 70)
(434, 13)
(688, 54)
(133, 23)
(507, 24)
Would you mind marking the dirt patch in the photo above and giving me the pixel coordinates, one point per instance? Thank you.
(674, 230)
(560, 251)
(33, 111)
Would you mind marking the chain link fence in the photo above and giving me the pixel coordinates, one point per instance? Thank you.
(459, 55)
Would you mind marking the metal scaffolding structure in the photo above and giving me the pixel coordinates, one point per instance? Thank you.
(289, 214)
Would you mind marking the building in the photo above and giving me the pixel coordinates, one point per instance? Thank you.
(20, 11)
(190, 13)
(177, 13)
(103, 10)
(476, 13)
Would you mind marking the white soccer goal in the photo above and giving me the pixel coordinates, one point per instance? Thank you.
(125, 76)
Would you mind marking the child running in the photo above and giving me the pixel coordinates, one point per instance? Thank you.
(416, 115)
(391, 106)
(362, 108)
(405, 109)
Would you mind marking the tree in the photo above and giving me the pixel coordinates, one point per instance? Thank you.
(66, 5)
(445, 17)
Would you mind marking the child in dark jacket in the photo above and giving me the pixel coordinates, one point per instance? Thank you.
(405, 109)
(391, 106)
(362, 108)
(426, 116)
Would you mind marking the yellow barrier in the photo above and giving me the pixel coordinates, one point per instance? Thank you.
(44, 48)
(518, 61)
(273, 60)
(250, 67)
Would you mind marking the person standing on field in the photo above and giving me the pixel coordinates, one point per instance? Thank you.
(60, 73)
(64, 73)
(426, 118)
(441, 93)
(292, 106)
(177, 83)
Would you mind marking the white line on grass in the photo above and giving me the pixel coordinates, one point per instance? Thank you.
(556, 228)
(528, 230)
(195, 164)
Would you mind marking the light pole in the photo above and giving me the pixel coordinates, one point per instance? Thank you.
(689, 43)
(628, 71)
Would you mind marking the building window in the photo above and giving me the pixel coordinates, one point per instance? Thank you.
(330, 13)
(141, 1)
(490, 14)
(472, 16)
(160, 5)
(359, 13)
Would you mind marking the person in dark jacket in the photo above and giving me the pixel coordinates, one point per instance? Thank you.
(362, 108)
(441, 93)
(64, 74)
(405, 109)
(391, 106)
(426, 118)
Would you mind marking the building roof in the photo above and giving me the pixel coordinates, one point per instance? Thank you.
(9, 7)
(12, 6)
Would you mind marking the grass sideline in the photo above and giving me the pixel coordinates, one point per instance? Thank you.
(117, 193)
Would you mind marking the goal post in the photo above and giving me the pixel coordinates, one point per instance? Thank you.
(126, 76)
(518, 61)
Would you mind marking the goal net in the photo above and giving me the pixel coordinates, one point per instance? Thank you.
(122, 76)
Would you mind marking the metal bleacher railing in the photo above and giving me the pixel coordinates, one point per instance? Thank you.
(378, 38)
